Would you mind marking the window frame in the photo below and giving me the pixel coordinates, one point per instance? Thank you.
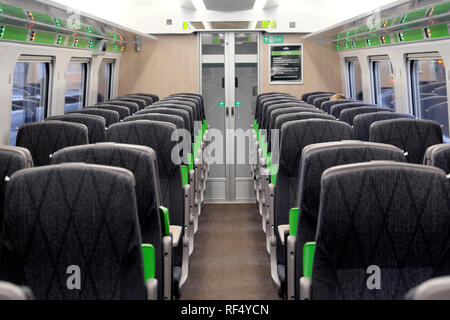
(110, 86)
(376, 79)
(350, 73)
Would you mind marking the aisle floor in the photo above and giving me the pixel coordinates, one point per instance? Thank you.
(230, 261)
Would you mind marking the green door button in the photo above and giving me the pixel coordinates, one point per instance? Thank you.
(222, 104)
(238, 104)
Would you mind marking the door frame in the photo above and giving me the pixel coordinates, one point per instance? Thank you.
(230, 185)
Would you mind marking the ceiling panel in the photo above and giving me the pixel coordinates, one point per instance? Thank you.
(229, 5)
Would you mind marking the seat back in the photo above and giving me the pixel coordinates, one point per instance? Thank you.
(140, 101)
(148, 100)
(427, 103)
(154, 97)
(192, 100)
(362, 122)
(411, 135)
(183, 112)
(311, 98)
(267, 102)
(316, 159)
(121, 110)
(43, 139)
(440, 91)
(110, 116)
(87, 226)
(196, 96)
(96, 125)
(262, 96)
(269, 108)
(385, 219)
(305, 96)
(276, 112)
(327, 105)
(348, 115)
(295, 136)
(184, 103)
(132, 106)
(141, 161)
(337, 109)
(438, 156)
(318, 101)
(176, 120)
(439, 113)
(429, 87)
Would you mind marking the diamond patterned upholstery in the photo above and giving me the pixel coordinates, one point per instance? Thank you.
(295, 136)
(269, 101)
(176, 120)
(196, 96)
(318, 101)
(410, 135)
(73, 215)
(148, 100)
(169, 111)
(45, 138)
(270, 108)
(390, 215)
(122, 111)
(110, 116)
(313, 97)
(362, 122)
(192, 102)
(348, 115)
(275, 113)
(140, 101)
(307, 95)
(141, 161)
(316, 159)
(157, 135)
(153, 96)
(158, 107)
(184, 103)
(96, 125)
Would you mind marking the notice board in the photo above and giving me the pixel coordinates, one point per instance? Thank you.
(286, 64)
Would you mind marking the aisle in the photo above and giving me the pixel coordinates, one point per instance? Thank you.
(230, 261)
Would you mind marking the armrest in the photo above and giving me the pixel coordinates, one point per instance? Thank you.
(308, 259)
(283, 231)
(184, 175)
(149, 259)
(175, 232)
(305, 288)
(165, 220)
(167, 267)
(152, 289)
(293, 221)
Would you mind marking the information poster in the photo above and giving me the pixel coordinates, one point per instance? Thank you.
(286, 64)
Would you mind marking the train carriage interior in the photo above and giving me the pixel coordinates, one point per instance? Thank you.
(224, 150)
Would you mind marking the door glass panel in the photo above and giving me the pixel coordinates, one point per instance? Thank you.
(213, 88)
(246, 90)
(104, 82)
(29, 98)
(75, 86)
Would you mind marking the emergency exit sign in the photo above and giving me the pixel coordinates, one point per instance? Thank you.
(273, 39)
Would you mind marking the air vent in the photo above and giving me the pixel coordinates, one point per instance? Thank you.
(169, 22)
(292, 24)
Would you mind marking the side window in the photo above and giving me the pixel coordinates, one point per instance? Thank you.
(76, 84)
(429, 89)
(383, 80)
(105, 81)
(354, 79)
(30, 93)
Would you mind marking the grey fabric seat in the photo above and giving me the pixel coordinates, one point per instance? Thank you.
(110, 116)
(132, 106)
(294, 116)
(154, 97)
(12, 159)
(265, 123)
(148, 100)
(295, 136)
(307, 95)
(96, 125)
(141, 102)
(411, 135)
(197, 96)
(318, 101)
(183, 103)
(182, 111)
(122, 111)
(276, 112)
(169, 118)
(440, 91)
(438, 156)
(429, 87)
(141, 161)
(270, 95)
(348, 115)
(271, 100)
(311, 98)
(157, 135)
(43, 139)
(327, 105)
(316, 159)
(384, 216)
(49, 231)
(337, 109)
(191, 101)
(362, 122)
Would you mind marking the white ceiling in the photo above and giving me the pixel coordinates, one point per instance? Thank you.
(150, 16)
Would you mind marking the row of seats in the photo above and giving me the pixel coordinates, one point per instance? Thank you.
(113, 200)
(333, 206)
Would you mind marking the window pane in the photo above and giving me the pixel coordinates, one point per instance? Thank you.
(354, 76)
(431, 103)
(384, 84)
(29, 98)
(75, 86)
(104, 82)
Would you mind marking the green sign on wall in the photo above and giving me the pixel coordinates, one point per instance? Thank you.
(273, 39)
